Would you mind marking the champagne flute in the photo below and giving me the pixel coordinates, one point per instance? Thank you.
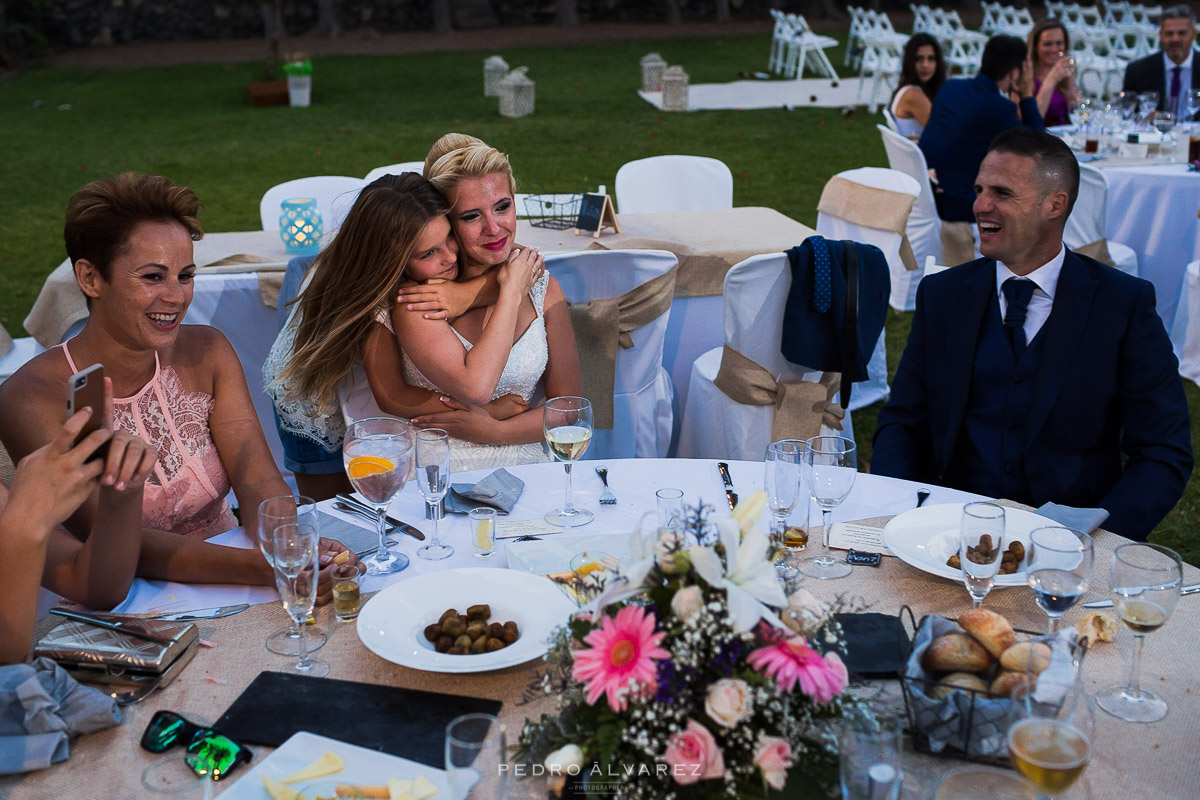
(567, 422)
(378, 454)
(295, 554)
(1147, 102)
(782, 482)
(433, 480)
(1050, 733)
(1193, 104)
(980, 548)
(833, 466)
(273, 512)
(1058, 568)
(1145, 580)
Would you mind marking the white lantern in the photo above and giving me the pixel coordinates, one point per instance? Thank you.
(494, 70)
(653, 66)
(516, 94)
(675, 89)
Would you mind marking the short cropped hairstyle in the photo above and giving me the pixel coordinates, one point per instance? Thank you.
(1178, 12)
(1001, 55)
(102, 215)
(1054, 164)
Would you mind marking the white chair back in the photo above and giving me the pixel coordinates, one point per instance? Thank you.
(924, 225)
(756, 291)
(335, 194)
(1087, 220)
(395, 169)
(673, 183)
(642, 415)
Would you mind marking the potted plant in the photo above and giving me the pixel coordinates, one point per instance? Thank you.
(299, 82)
(272, 91)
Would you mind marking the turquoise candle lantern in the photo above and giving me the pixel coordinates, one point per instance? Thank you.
(300, 226)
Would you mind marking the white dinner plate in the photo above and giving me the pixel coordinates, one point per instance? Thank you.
(392, 623)
(925, 537)
(363, 768)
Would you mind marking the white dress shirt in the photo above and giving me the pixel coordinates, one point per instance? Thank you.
(1045, 279)
(1185, 84)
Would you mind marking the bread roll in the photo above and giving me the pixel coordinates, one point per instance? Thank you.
(991, 630)
(956, 652)
(1026, 657)
(957, 680)
(1007, 682)
(1097, 627)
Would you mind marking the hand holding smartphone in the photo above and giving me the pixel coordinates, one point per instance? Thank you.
(86, 389)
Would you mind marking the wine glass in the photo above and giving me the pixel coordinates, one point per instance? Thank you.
(1050, 733)
(782, 482)
(980, 548)
(273, 512)
(833, 466)
(433, 480)
(1147, 102)
(1058, 568)
(1127, 105)
(378, 453)
(1192, 99)
(567, 422)
(295, 562)
(979, 783)
(1164, 123)
(1145, 581)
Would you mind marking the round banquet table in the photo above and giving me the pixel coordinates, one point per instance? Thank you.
(1128, 761)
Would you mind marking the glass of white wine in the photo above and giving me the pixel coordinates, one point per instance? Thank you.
(1145, 580)
(1050, 733)
(433, 481)
(1058, 569)
(567, 422)
(980, 548)
(378, 454)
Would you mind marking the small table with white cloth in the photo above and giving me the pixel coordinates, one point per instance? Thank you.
(1128, 760)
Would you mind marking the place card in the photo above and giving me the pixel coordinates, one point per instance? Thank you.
(849, 536)
(514, 528)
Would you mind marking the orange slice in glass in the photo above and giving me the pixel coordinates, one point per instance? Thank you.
(364, 466)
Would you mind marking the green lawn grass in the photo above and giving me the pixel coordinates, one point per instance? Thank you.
(193, 124)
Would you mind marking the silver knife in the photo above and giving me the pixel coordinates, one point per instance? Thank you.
(404, 527)
(134, 627)
(730, 495)
(1193, 589)
(203, 613)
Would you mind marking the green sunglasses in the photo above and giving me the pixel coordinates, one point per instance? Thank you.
(209, 752)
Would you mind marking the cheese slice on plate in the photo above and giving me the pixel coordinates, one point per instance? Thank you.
(423, 788)
(328, 764)
(399, 790)
(279, 791)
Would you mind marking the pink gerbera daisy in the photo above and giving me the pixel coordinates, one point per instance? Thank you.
(790, 661)
(621, 659)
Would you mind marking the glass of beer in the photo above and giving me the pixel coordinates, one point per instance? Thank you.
(347, 599)
(1051, 732)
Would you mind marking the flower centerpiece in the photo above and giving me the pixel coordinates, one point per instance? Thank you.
(693, 674)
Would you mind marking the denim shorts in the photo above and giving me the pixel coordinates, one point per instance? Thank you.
(303, 456)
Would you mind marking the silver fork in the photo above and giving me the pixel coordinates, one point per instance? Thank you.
(607, 498)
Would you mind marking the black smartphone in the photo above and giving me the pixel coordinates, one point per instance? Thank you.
(86, 389)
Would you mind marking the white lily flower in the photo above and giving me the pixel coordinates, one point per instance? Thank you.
(747, 576)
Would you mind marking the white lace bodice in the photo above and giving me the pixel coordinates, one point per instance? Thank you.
(299, 416)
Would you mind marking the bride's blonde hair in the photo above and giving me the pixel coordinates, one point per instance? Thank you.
(353, 279)
(447, 144)
(475, 160)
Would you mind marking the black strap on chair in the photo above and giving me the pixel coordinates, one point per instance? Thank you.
(849, 343)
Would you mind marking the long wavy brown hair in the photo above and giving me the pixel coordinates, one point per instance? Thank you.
(353, 279)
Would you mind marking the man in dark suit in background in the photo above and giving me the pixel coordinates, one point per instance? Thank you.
(1034, 373)
(968, 113)
(1169, 70)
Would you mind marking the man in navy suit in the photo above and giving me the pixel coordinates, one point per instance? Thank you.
(1034, 373)
(1169, 70)
(968, 113)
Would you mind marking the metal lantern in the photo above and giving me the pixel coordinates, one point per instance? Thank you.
(494, 70)
(516, 94)
(675, 89)
(653, 66)
(300, 226)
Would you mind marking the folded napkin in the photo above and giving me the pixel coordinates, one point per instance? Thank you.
(500, 491)
(41, 708)
(1086, 520)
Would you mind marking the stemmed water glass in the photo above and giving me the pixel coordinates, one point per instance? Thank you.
(378, 454)
(1145, 580)
(833, 466)
(1193, 104)
(1058, 568)
(1051, 729)
(1147, 102)
(1164, 123)
(433, 481)
(980, 548)
(567, 423)
(782, 482)
(1127, 105)
(295, 562)
(287, 509)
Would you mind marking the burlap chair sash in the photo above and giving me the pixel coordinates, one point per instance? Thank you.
(602, 325)
(1097, 250)
(801, 407)
(270, 278)
(958, 243)
(871, 207)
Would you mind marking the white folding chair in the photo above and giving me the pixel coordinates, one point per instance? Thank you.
(1088, 218)
(395, 169)
(924, 225)
(673, 183)
(23, 350)
(808, 50)
(922, 19)
(854, 38)
(715, 426)
(1185, 332)
(335, 194)
(642, 415)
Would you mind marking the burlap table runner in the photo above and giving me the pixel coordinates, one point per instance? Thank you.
(1128, 761)
(801, 407)
(870, 207)
(602, 325)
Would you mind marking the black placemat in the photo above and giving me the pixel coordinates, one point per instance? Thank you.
(400, 722)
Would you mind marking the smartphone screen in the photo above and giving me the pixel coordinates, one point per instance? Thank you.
(86, 389)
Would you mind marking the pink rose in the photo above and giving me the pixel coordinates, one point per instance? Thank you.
(838, 669)
(774, 757)
(728, 702)
(693, 755)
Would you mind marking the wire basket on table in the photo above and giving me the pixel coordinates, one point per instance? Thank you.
(555, 211)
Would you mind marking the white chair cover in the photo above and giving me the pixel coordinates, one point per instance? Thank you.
(395, 169)
(673, 183)
(714, 426)
(1087, 221)
(335, 194)
(642, 393)
(22, 350)
(924, 226)
(1187, 324)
